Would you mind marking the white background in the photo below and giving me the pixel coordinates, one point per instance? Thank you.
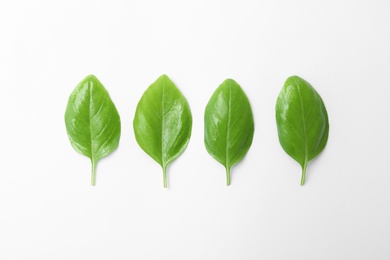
(48, 210)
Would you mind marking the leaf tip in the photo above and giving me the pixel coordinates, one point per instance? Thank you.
(90, 77)
(164, 77)
(230, 81)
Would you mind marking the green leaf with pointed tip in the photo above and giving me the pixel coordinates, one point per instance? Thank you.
(163, 122)
(302, 121)
(92, 121)
(228, 125)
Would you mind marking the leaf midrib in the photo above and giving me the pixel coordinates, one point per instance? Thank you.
(228, 127)
(89, 116)
(162, 123)
(303, 122)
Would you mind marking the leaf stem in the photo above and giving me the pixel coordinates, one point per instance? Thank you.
(165, 176)
(93, 174)
(227, 176)
(303, 173)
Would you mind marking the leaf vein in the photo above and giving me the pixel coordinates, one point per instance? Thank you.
(303, 122)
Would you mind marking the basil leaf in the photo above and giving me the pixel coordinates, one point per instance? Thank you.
(92, 121)
(162, 122)
(302, 121)
(228, 125)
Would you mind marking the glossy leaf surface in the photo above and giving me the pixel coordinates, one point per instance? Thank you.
(163, 122)
(302, 121)
(92, 121)
(228, 125)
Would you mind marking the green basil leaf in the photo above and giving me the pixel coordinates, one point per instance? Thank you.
(92, 121)
(302, 121)
(163, 122)
(228, 125)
